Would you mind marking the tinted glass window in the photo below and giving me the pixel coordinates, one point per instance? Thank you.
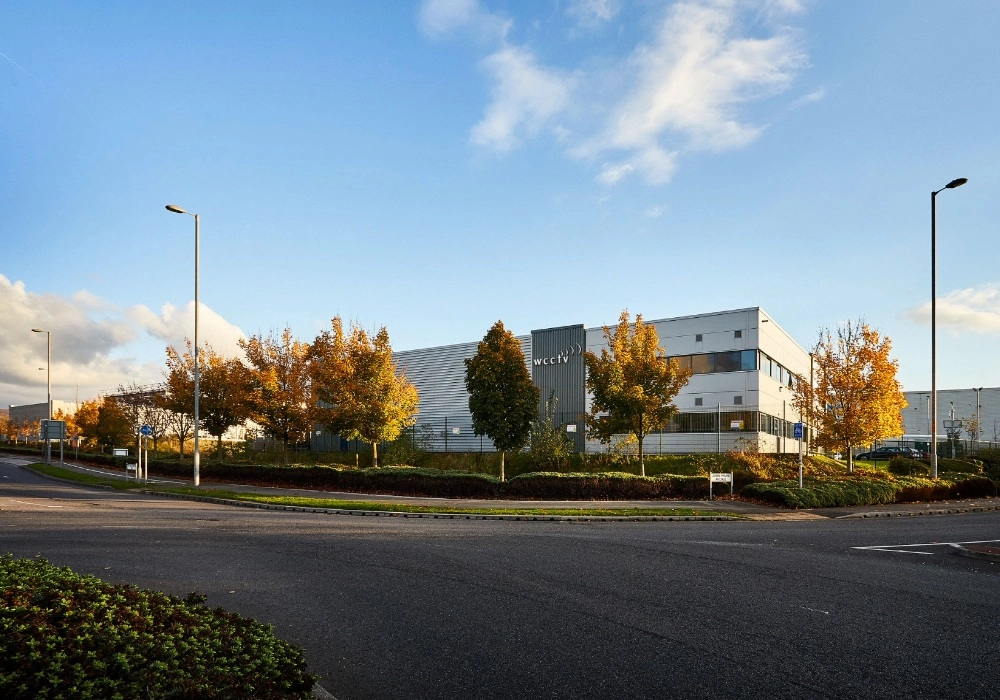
(748, 360)
(684, 361)
(703, 364)
(727, 361)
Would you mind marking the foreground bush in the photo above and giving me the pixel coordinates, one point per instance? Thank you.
(66, 635)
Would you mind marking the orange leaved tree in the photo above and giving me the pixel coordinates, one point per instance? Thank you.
(856, 398)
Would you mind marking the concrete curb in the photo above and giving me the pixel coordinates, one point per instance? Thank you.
(917, 513)
(979, 552)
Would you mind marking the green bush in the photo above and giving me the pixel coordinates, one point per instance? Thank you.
(904, 466)
(822, 493)
(991, 463)
(966, 465)
(604, 486)
(869, 488)
(66, 635)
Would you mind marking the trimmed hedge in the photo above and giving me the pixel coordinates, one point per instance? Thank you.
(64, 634)
(904, 466)
(604, 486)
(869, 489)
(409, 481)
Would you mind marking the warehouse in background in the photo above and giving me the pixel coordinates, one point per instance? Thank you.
(739, 395)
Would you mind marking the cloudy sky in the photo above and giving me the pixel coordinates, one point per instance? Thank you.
(434, 166)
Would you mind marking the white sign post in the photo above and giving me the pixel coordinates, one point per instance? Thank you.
(797, 434)
(721, 478)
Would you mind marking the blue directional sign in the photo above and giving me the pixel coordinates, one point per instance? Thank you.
(147, 430)
(797, 431)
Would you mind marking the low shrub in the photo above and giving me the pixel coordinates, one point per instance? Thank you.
(965, 465)
(604, 486)
(904, 466)
(823, 493)
(991, 463)
(63, 635)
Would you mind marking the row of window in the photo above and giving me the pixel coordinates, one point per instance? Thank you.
(737, 401)
(736, 361)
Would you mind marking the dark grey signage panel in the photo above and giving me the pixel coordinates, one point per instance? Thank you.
(558, 371)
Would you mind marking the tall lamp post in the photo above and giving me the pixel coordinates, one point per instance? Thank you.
(197, 455)
(48, 386)
(979, 418)
(934, 451)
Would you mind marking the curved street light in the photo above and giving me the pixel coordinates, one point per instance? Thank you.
(957, 182)
(197, 455)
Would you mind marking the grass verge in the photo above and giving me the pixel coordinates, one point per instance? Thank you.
(336, 504)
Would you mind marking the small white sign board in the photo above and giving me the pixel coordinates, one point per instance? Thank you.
(719, 478)
(121, 452)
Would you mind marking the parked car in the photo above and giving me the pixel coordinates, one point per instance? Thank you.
(887, 453)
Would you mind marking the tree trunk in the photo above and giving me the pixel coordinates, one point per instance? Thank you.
(374, 454)
(218, 448)
(642, 462)
(501, 465)
(850, 459)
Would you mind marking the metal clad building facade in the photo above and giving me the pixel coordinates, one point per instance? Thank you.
(739, 392)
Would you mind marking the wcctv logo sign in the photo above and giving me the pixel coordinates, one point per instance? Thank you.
(561, 358)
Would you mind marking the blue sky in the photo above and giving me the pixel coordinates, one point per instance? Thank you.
(434, 166)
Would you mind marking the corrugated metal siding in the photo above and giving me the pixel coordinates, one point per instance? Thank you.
(439, 376)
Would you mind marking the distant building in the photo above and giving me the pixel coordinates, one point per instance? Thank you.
(28, 414)
(739, 394)
(956, 410)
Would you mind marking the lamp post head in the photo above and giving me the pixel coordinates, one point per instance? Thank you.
(956, 183)
(38, 330)
(177, 210)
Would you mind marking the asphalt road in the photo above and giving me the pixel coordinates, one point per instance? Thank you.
(390, 607)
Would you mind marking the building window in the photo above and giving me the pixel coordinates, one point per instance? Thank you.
(703, 364)
(737, 400)
(697, 337)
(699, 402)
(737, 334)
(727, 361)
(748, 360)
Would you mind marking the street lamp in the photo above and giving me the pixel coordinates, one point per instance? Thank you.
(48, 386)
(197, 455)
(979, 418)
(950, 186)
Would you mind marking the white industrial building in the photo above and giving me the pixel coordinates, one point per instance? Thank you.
(739, 394)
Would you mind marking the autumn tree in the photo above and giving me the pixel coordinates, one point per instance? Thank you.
(502, 398)
(360, 394)
(178, 395)
(113, 426)
(4, 423)
(281, 399)
(224, 394)
(632, 382)
(86, 420)
(856, 399)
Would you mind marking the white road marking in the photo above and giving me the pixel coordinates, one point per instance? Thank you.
(907, 548)
(28, 503)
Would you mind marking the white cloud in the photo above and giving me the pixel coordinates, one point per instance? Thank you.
(525, 97)
(683, 89)
(173, 326)
(975, 309)
(443, 17)
(590, 13)
(94, 344)
(692, 79)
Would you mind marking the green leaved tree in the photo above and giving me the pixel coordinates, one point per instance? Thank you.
(502, 398)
